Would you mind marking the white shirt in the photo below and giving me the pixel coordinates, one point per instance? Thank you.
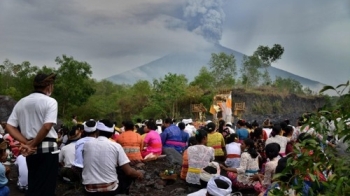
(190, 129)
(233, 148)
(32, 112)
(67, 155)
(22, 170)
(281, 140)
(202, 192)
(79, 145)
(159, 129)
(101, 157)
(231, 130)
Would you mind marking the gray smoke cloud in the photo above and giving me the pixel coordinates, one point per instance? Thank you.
(206, 18)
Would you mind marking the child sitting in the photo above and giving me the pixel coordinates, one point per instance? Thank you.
(4, 189)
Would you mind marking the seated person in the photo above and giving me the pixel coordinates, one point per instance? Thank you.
(4, 189)
(152, 141)
(199, 156)
(249, 165)
(216, 141)
(192, 141)
(272, 152)
(67, 155)
(21, 164)
(233, 149)
(217, 186)
(131, 142)
(172, 136)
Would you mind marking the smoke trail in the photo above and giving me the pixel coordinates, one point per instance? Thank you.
(205, 17)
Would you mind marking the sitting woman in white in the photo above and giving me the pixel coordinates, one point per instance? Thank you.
(249, 165)
(21, 164)
(233, 149)
(277, 138)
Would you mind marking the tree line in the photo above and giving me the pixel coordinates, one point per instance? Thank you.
(79, 94)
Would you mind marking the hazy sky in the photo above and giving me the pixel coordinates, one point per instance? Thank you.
(115, 36)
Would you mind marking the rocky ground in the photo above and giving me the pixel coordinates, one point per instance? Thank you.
(152, 185)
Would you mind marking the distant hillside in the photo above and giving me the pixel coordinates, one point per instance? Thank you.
(189, 63)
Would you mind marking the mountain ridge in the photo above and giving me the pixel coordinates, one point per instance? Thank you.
(190, 62)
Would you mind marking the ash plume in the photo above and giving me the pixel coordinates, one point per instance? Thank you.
(206, 18)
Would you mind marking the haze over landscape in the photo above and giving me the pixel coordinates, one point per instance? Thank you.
(118, 36)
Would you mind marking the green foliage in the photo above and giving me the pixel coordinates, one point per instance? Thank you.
(223, 69)
(269, 55)
(204, 80)
(261, 58)
(250, 71)
(333, 161)
(168, 91)
(73, 84)
(288, 84)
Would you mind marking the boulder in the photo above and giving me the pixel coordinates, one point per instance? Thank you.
(6, 107)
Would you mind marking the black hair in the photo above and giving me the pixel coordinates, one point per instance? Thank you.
(151, 125)
(42, 80)
(251, 150)
(231, 138)
(281, 165)
(138, 120)
(200, 135)
(257, 133)
(192, 141)
(241, 122)
(90, 123)
(287, 121)
(283, 125)
(210, 127)
(168, 121)
(276, 130)
(128, 125)
(272, 150)
(109, 124)
(255, 124)
(174, 120)
(181, 125)
(288, 130)
(209, 170)
(221, 184)
(221, 126)
(248, 125)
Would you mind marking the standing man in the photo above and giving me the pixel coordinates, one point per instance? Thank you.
(36, 114)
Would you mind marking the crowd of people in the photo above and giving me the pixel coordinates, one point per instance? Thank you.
(218, 158)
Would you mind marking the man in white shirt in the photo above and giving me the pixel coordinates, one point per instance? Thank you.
(67, 156)
(190, 129)
(90, 133)
(36, 114)
(101, 159)
(21, 164)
